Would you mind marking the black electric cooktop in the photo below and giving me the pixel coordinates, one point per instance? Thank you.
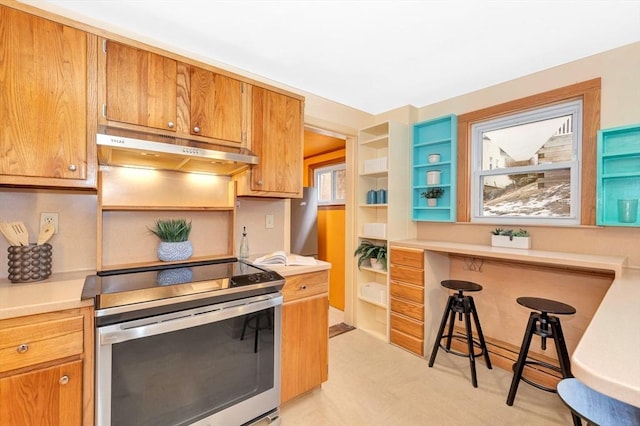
(202, 279)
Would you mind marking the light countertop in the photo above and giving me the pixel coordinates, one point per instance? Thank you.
(607, 357)
(59, 291)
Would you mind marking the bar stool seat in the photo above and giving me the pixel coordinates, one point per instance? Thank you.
(546, 326)
(595, 407)
(465, 307)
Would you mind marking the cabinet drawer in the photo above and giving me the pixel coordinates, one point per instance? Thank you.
(304, 285)
(408, 257)
(407, 291)
(407, 326)
(408, 275)
(34, 343)
(409, 343)
(410, 309)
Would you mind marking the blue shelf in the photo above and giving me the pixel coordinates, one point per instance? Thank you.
(618, 174)
(438, 136)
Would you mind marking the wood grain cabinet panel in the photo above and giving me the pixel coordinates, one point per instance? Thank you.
(276, 138)
(216, 106)
(46, 369)
(305, 335)
(407, 299)
(141, 87)
(305, 285)
(44, 87)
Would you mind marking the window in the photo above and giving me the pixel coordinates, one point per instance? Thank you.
(525, 167)
(330, 182)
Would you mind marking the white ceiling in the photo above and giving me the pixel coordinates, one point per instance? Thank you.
(375, 55)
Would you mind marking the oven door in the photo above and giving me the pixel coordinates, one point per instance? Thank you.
(212, 365)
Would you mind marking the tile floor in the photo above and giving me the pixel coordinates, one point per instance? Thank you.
(373, 383)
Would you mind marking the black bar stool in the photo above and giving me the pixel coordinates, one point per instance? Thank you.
(462, 305)
(544, 325)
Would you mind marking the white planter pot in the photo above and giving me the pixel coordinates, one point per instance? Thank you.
(433, 177)
(434, 158)
(432, 202)
(376, 264)
(171, 252)
(506, 241)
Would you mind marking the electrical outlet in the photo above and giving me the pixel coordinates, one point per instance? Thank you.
(268, 221)
(51, 218)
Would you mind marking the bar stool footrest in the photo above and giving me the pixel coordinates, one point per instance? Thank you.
(462, 338)
(535, 384)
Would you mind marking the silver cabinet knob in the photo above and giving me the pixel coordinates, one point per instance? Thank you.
(260, 182)
(171, 124)
(23, 348)
(196, 129)
(303, 287)
(73, 167)
(64, 380)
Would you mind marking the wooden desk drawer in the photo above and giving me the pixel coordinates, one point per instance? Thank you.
(407, 326)
(407, 342)
(407, 275)
(407, 257)
(30, 344)
(410, 309)
(407, 292)
(304, 285)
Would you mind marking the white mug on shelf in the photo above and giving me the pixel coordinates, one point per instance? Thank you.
(434, 158)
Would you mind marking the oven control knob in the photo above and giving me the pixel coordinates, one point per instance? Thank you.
(64, 380)
(23, 348)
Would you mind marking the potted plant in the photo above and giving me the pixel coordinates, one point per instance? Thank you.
(377, 255)
(510, 238)
(432, 195)
(174, 239)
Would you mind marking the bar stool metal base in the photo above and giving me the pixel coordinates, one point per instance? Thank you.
(545, 326)
(465, 307)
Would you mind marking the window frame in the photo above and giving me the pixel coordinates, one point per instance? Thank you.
(326, 169)
(545, 112)
(589, 91)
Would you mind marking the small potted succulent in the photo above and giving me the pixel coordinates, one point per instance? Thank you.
(432, 195)
(510, 238)
(375, 254)
(174, 239)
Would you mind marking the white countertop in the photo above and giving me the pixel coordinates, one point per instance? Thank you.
(607, 357)
(59, 291)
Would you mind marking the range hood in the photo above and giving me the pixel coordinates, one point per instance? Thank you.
(118, 147)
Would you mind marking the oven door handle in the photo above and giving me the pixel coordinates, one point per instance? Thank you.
(122, 332)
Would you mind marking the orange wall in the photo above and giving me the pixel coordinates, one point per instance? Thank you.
(331, 240)
(331, 230)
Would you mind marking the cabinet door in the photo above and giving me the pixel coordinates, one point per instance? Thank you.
(277, 140)
(216, 106)
(43, 98)
(140, 87)
(305, 341)
(48, 396)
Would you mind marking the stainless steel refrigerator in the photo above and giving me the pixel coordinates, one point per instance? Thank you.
(304, 223)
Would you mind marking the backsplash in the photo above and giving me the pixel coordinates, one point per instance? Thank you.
(74, 246)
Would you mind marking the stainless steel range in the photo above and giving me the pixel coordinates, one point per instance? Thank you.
(190, 344)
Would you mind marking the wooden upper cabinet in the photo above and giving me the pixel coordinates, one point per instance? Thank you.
(140, 86)
(277, 141)
(44, 87)
(216, 105)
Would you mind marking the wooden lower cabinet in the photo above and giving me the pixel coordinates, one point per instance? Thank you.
(46, 396)
(407, 299)
(46, 369)
(305, 334)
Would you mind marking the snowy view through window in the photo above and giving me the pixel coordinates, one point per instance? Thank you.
(522, 171)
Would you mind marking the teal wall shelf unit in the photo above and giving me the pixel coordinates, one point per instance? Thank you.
(434, 149)
(618, 176)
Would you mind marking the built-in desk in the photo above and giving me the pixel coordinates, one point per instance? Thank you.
(606, 355)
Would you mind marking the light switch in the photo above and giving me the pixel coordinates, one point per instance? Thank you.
(268, 221)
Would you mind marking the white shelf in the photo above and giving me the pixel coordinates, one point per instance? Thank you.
(373, 293)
